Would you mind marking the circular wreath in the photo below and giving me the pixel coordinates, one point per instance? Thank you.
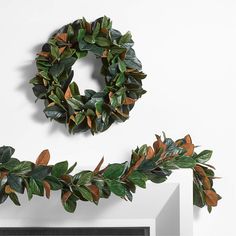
(146, 163)
(120, 67)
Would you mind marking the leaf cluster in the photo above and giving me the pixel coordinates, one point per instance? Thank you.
(122, 71)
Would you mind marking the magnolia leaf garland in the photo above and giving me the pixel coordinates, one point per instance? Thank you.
(147, 163)
(122, 71)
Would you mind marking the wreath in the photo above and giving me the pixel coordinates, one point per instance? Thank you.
(120, 67)
(147, 163)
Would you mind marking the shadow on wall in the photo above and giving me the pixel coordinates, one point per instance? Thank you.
(29, 70)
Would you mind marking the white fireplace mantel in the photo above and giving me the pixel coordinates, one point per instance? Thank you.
(166, 208)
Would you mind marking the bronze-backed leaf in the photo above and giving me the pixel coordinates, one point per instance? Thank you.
(105, 53)
(8, 189)
(62, 49)
(98, 167)
(43, 54)
(150, 153)
(200, 170)
(66, 196)
(43, 158)
(104, 30)
(159, 144)
(129, 101)
(66, 178)
(88, 27)
(189, 147)
(95, 192)
(211, 198)
(68, 93)
(47, 188)
(62, 37)
(188, 139)
(3, 174)
(206, 183)
(122, 55)
(89, 122)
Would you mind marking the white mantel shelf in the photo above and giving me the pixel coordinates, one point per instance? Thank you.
(166, 208)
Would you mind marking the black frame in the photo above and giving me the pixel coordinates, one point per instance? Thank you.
(78, 231)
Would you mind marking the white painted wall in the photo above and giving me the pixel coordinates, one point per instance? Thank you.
(188, 50)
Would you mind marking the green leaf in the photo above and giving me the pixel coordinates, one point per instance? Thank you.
(11, 164)
(5, 153)
(203, 156)
(3, 196)
(79, 118)
(70, 31)
(23, 168)
(75, 104)
(83, 177)
(16, 183)
(122, 66)
(133, 63)
(89, 39)
(185, 162)
(81, 34)
(85, 193)
(29, 191)
(120, 80)
(55, 51)
(125, 38)
(71, 168)
(14, 199)
(70, 205)
(96, 30)
(74, 89)
(103, 42)
(117, 188)
(99, 106)
(40, 172)
(57, 69)
(81, 54)
(54, 112)
(143, 150)
(115, 171)
(68, 62)
(55, 99)
(138, 178)
(54, 182)
(60, 169)
(36, 187)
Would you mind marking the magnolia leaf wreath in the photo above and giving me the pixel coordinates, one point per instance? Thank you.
(121, 69)
(147, 163)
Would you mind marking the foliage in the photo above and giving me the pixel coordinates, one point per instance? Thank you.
(120, 67)
(147, 163)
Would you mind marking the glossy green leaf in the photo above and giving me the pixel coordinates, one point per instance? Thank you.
(60, 169)
(40, 172)
(54, 182)
(5, 153)
(115, 171)
(103, 42)
(138, 178)
(85, 193)
(117, 188)
(14, 199)
(185, 162)
(36, 187)
(16, 183)
(203, 156)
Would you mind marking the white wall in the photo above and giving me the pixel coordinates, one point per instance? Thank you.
(188, 50)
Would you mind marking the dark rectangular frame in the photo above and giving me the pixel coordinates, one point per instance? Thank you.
(100, 231)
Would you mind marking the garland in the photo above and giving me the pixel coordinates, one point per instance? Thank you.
(120, 66)
(147, 163)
